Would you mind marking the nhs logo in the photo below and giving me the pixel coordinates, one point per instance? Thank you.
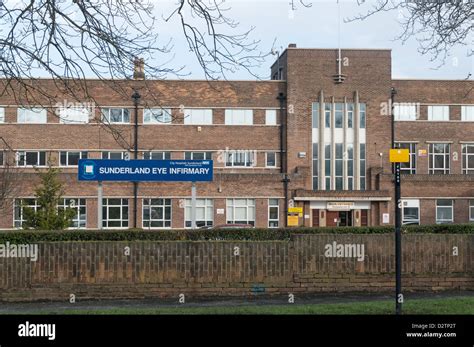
(89, 170)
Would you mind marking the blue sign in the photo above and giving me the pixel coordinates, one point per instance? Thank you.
(145, 170)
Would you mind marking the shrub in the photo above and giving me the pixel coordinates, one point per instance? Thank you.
(31, 236)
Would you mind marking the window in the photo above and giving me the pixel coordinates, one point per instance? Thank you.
(270, 159)
(198, 116)
(156, 155)
(410, 212)
(327, 114)
(156, 116)
(241, 211)
(116, 115)
(350, 166)
(339, 119)
(31, 115)
(31, 158)
(438, 113)
(327, 165)
(238, 117)
(410, 167)
(362, 115)
(18, 214)
(468, 158)
(116, 155)
(2, 114)
(471, 210)
(157, 213)
(2, 158)
(270, 117)
(444, 211)
(405, 111)
(74, 115)
(315, 166)
(71, 158)
(204, 213)
(315, 115)
(115, 213)
(439, 158)
(198, 155)
(79, 206)
(273, 213)
(339, 166)
(350, 115)
(240, 158)
(362, 166)
(467, 113)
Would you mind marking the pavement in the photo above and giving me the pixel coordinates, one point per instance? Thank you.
(257, 299)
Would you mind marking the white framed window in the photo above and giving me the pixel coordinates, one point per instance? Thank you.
(198, 116)
(362, 163)
(339, 161)
(198, 155)
(74, 115)
(339, 115)
(153, 155)
(411, 212)
(467, 113)
(270, 117)
(471, 210)
(270, 159)
(405, 111)
(468, 158)
(362, 115)
(444, 211)
(204, 213)
(156, 213)
(240, 158)
(114, 213)
(439, 154)
(273, 213)
(116, 115)
(438, 113)
(79, 206)
(241, 211)
(238, 117)
(409, 167)
(18, 207)
(116, 155)
(2, 158)
(2, 114)
(31, 158)
(157, 116)
(70, 158)
(32, 115)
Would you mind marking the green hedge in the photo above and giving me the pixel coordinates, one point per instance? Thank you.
(31, 236)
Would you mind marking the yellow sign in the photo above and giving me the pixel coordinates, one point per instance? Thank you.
(293, 221)
(399, 155)
(295, 210)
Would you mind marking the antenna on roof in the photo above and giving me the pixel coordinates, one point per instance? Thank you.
(339, 78)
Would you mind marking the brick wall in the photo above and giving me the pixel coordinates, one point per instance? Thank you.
(166, 269)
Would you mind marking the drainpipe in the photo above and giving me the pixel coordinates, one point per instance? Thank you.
(283, 151)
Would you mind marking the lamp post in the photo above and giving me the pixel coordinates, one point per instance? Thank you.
(136, 99)
(398, 219)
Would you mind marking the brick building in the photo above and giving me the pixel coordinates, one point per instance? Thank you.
(316, 136)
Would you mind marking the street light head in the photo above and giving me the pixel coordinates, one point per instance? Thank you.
(393, 91)
(136, 96)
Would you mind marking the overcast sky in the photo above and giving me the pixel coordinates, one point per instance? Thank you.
(317, 27)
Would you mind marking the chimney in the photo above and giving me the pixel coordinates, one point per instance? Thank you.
(138, 69)
(292, 45)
